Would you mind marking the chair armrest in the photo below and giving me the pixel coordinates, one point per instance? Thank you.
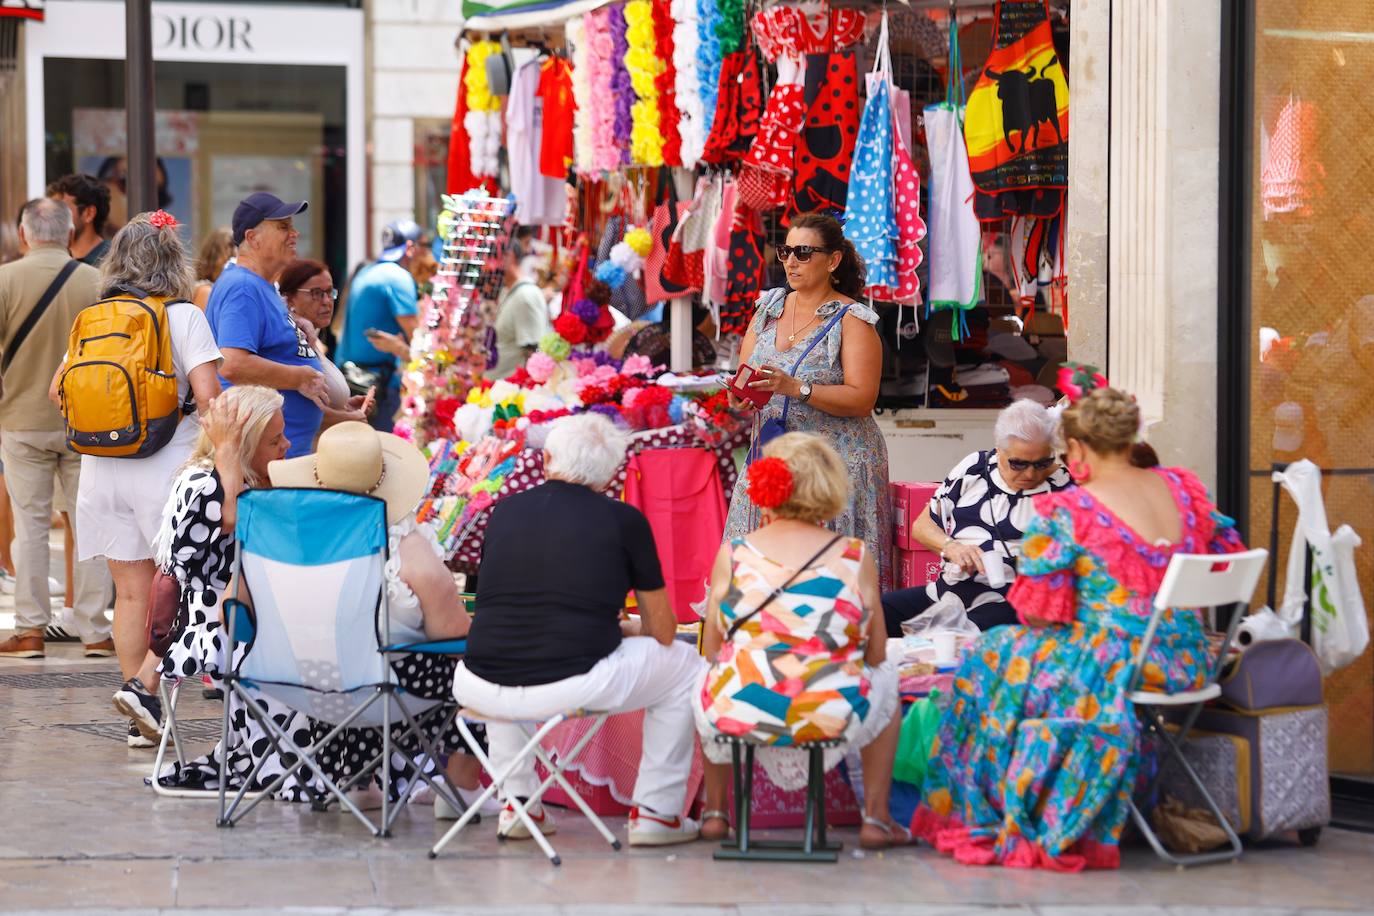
(428, 647)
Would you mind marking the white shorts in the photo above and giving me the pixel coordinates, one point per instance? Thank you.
(120, 501)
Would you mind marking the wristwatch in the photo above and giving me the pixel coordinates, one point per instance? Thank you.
(804, 394)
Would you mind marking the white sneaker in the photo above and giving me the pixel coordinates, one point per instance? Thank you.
(512, 828)
(443, 811)
(62, 626)
(136, 738)
(650, 829)
(6, 582)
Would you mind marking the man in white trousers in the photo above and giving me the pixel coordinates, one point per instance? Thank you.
(557, 564)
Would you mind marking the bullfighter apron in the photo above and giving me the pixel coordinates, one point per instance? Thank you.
(1017, 126)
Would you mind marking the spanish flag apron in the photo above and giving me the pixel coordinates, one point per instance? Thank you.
(1017, 123)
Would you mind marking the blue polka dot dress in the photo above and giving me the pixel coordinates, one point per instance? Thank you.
(871, 212)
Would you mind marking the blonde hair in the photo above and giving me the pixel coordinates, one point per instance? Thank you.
(255, 406)
(820, 481)
(1106, 421)
(147, 258)
(215, 251)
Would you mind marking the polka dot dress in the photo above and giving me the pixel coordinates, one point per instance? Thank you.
(871, 218)
(825, 149)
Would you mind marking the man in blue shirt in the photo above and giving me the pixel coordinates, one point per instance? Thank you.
(382, 316)
(260, 342)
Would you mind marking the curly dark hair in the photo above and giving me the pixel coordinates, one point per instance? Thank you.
(850, 277)
(87, 191)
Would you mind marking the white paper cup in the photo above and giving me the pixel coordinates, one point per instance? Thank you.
(994, 570)
(945, 642)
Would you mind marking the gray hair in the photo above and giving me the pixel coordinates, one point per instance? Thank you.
(586, 449)
(150, 259)
(46, 222)
(1025, 420)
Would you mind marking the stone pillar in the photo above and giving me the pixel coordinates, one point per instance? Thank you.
(1143, 205)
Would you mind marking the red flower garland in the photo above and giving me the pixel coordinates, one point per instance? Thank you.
(666, 84)
(770, 483)
(570, 328)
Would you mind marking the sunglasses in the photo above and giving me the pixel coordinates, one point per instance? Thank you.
(803, 253)
(1021, 464)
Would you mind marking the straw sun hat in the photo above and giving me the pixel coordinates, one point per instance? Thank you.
(355, 457)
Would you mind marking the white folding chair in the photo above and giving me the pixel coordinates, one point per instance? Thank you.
(535, 733)
(1192, 581)
(318, 632)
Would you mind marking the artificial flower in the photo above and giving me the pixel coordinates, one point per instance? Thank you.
(639, 240)
(586, 310)
(770, 483)
(1077, 380)
(638, 364)
(612, 274)
(540, 367)
(555, 346)
(570, 328)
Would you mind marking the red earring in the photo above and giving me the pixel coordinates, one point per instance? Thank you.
(1082, 471)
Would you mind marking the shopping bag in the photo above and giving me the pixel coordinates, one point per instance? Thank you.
(919, 727)
(667, 214)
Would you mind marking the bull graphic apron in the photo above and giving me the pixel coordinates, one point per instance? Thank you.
(1017, 125)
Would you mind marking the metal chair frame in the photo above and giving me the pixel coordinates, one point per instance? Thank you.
(813, 846)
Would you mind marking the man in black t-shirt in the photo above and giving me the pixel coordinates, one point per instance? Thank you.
(557, 564)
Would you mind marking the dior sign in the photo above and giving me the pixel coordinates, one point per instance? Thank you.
(202, 33)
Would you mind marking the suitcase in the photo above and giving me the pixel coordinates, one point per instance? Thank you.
(1278, 780)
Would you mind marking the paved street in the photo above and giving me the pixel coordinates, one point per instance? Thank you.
(82, 833)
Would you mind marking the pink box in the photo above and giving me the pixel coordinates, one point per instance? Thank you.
(916, 568)
(909, 500)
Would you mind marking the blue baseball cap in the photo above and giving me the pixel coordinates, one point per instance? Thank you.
(395, 236)
(260, 206)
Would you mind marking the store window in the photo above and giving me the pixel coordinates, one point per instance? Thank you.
(223, 132)
(1311, 292)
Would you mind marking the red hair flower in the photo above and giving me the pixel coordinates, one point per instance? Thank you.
(161, 219)
(1077, 380)
(570, 328)
(770, 483)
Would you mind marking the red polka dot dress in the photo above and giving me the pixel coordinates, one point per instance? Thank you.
(825, 147)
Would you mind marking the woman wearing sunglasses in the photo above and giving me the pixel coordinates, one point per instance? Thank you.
(815, 351)
(310, 297)
(977, 518)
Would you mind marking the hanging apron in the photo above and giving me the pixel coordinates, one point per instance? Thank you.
(870, 219)
(955, 243)
(1017, 125)
(739, 99)
(825, 149)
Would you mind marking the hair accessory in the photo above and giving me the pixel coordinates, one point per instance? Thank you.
(1078, 380)
(161, 219)
(770, 483)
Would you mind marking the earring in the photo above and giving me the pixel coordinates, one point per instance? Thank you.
(1081, 471)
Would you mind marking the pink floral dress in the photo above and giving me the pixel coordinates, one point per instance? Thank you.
(1037, 756)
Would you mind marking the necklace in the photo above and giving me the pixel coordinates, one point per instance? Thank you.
(796, 330)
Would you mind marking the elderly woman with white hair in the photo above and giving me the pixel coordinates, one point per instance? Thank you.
(976, 519)
(548, 637)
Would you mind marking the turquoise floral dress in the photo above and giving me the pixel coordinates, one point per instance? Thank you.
(1037, 755)
(858, 440)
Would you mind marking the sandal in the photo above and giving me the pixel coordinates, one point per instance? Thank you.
(714, 815)
(897, 835)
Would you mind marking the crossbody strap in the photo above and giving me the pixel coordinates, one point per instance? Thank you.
(779, 590)
(31, 319)
(824, 332)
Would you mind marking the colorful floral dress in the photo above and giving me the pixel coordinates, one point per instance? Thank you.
(858, 439)
(794, 672)
(1037, 756)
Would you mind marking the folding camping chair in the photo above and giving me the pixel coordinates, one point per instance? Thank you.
(1192, 581)
(535, 733)
(813, 846)
(318, 633)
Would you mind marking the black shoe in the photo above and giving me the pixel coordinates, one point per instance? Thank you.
(134, 701)
(212, 693)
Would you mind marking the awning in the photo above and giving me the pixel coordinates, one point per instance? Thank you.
(498, 15)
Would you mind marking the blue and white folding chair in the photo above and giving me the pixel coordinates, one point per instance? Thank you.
(318, 632)
(1192, 581)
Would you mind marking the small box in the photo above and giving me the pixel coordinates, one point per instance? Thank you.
(916, 568)
(909, 500)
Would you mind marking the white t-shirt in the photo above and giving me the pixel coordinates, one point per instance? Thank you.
(193, 344)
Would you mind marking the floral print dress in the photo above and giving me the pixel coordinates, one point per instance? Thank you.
(858, 440)
(1036, 757)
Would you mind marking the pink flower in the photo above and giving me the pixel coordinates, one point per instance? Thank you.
(540, 367)
(585, 367)
(637, 365)
(630, 397)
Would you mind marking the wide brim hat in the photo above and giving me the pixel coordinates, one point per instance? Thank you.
(356, 458)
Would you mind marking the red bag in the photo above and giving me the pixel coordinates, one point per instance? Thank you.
(667, 214)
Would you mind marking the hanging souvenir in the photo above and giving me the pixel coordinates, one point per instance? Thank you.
(667, 214)
(685, 264)
(665, 83)
(1292, 176)
(745, 275)
(622, 85)
(556, 89)
(691, 116)
(739, 98)
(483, 118)
(709, 59)
(600, 48)
(825, 148)
(955, 243)
(576, 37)
(1017, 125)
(766, 175)
(870, 219)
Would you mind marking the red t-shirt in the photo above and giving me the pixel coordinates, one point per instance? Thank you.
(556, 89)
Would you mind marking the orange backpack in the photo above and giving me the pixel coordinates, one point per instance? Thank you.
(119, 389)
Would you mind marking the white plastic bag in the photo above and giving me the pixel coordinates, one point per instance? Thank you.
(946, 614)
(1263, 625)
(1340, 630)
